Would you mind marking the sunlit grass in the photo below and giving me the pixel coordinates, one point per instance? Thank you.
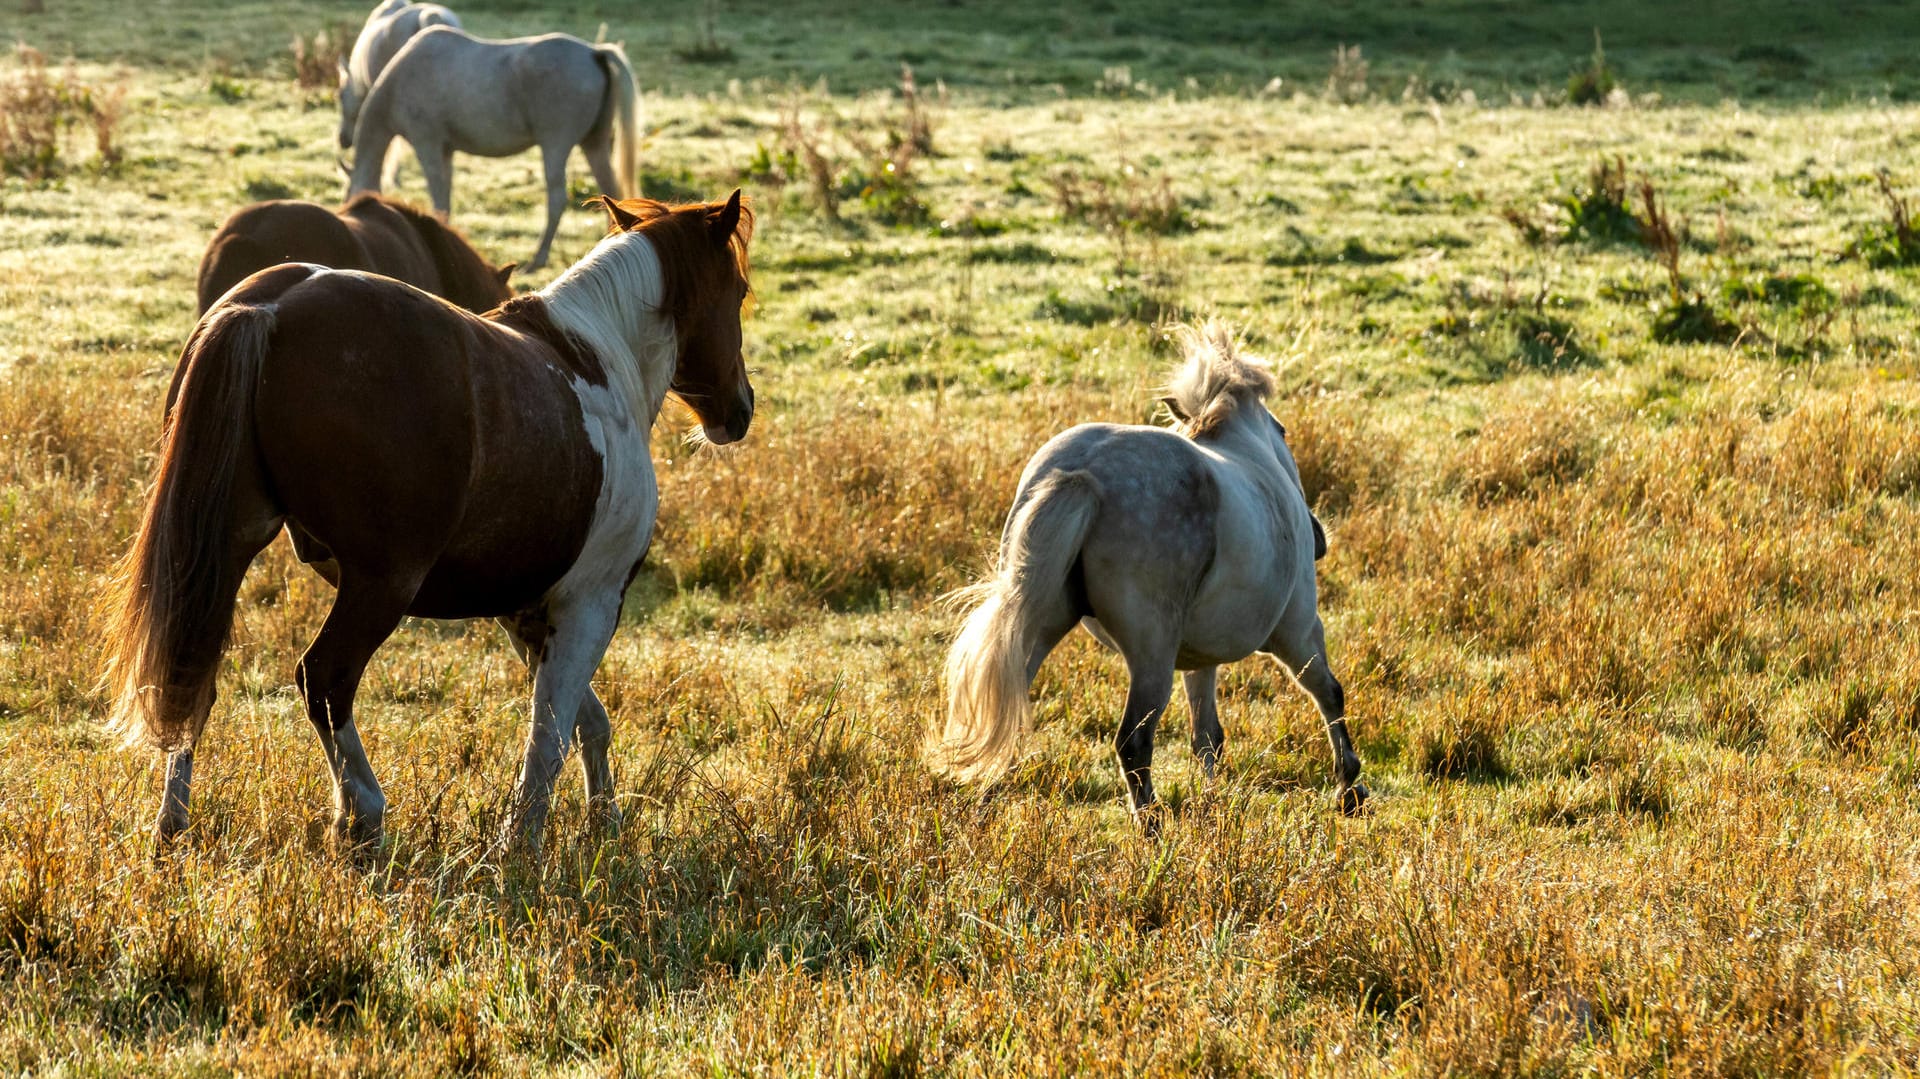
(1627, 629)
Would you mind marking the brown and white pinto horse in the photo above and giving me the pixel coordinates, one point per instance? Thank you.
(429, 462)
(371, 232)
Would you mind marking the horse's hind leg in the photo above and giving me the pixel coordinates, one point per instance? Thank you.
(553, 161)
(561, 682)
(1202, 702)
(599, 154)
(364, 615)
(260, 523)
(1304, 654)
(1150, 684)
(592, 724)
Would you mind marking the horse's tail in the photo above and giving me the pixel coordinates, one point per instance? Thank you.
(228, 261)
(174, 598)
(987, 709)
(622, 106)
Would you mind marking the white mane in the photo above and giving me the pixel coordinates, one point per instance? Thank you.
(1214, 377)
(611, 300)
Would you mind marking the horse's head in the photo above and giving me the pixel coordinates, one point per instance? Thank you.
(703, 259)
(1217, 392)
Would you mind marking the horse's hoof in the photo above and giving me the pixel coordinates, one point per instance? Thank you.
(1353, 800)
(607, 819)
(1152, 817)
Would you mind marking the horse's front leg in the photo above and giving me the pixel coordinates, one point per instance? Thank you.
(1304, 654)
(436, 167)
(529, 636)
(596, 737)
(553, 160)
(561, 682)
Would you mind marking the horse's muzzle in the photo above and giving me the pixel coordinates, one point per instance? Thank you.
(739, 418)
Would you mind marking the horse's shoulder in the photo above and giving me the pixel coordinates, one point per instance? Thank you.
(529, 315)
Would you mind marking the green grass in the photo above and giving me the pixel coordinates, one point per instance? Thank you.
(1625, 625)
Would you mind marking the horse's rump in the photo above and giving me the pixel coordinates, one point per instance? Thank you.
(370, 233)
(268, 234)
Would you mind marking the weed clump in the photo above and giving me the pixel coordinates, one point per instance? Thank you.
(1599, 213)
(1595, 83)
(1347, 81)
(1128, 202)
(317, 59)
(1460, 743)
(38, 110)
(706, 47)
(878, 172)
(1893, 242)
(1689, 317)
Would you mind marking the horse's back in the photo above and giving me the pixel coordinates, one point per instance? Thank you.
(485, 88)
(269, 233)
(1182, 537)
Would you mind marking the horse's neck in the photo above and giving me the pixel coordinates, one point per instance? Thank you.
(611, 300)
(1243, 440)
(372, 136)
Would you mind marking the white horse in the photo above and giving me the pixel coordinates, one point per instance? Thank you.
(447, 90)
(388, 28)
(1180, 549)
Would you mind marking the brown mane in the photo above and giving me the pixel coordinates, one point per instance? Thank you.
(466, 278)
(680, 238)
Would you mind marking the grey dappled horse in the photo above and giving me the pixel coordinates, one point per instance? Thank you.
(447, 90)
(388, 28)
(1180, 549)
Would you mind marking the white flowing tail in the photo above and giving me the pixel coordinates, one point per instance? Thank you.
(623, 108)
(987, 709)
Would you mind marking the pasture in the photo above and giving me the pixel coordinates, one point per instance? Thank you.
(1622, 584)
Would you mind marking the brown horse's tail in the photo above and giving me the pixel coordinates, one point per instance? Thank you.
(231, 260)
(173, 604)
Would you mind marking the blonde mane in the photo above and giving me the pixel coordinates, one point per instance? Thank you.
(1213, 378)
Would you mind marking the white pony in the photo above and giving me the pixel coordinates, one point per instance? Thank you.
(447, 90)
(1180, 549)
(388, 28)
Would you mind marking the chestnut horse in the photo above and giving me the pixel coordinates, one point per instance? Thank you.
(370, 232)
(429, 462)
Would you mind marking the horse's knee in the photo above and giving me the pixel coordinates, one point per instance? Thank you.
(1336, 698)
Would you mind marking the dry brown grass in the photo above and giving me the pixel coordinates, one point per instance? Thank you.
(1628, 649)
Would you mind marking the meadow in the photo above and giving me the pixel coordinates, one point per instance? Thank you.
(1623, 502)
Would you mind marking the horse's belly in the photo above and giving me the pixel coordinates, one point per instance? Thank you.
(1228, 623)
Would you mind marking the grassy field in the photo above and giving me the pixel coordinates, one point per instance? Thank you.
(1622, 580)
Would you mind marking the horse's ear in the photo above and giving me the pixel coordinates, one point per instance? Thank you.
(724, 222)
(619, 219)
(1319, 538)
(504, 272)
(1173, 406)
